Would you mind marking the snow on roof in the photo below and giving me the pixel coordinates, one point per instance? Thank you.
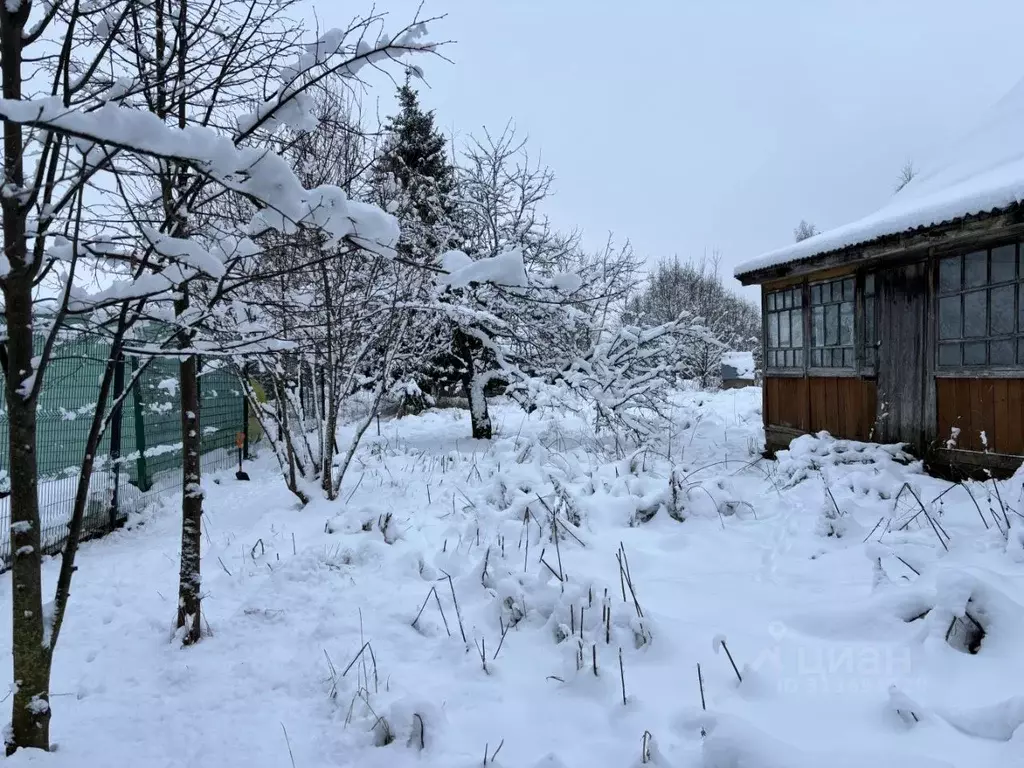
(742, 363)
(981, 172)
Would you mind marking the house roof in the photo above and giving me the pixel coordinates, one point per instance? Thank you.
(981, 172)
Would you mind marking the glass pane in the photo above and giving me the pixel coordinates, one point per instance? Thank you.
(949, 317)
(1020, 352)
(798, 297)
(789, 358)
(785, 299)
(818, 327)
(1004, 263)
(1020, 306)
(1001, 301)
(837, 358)
(816, 358)
(846, 323)
(949, 354)
(773, 330)
(974, 353)
(837, 290)
(869, 320)
(848, 357)
(1002, 352)
(771, 359)
(797, 321)
(869, 285)
(815, 294)
(975, 307)
(771, 302)
(975, 269)
(848, 289)
(799, 358)
(784, 329)
(949, 274)
(832, 324)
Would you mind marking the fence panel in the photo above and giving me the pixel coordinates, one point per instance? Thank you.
(149, 451)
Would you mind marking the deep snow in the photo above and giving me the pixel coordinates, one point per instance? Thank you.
(819, 609)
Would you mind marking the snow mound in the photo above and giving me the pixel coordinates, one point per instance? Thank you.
(809, 454)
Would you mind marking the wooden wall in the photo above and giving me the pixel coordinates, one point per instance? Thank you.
(995, 406)
(843, 406)
(903, 358)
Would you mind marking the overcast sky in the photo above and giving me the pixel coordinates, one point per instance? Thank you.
(694, 125)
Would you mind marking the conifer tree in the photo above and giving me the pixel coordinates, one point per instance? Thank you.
(415, 179)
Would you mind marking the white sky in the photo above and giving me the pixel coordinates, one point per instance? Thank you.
(691, 125)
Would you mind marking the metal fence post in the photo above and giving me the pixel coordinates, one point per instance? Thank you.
(140, 430)
(115, 436)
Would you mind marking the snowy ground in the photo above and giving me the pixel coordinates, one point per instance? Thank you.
(841, 645)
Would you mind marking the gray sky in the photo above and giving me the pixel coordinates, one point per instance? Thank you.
(691, 125)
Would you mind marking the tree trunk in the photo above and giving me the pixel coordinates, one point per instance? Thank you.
(30, 716)
(189, 579)
(479, 416)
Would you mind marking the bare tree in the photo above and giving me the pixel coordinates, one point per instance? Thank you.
(696, 290)
(907, 174)
(152, 104)
(804, 230)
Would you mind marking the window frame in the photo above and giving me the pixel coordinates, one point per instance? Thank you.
(986, 287)
(842, 369)
(771, 308)
(861, 368)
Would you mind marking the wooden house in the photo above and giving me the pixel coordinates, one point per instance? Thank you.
(908, 325)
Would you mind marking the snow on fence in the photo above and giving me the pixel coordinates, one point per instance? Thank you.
(148, 441)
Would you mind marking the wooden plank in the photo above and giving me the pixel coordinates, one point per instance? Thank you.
(847, 408)
(785, 400)
(1002, 427)
(945, 406)
(805, 405)
(1015, 417)
(832, 406)
(978, 421)
(871, 411)
(995, 406)
(962, 414)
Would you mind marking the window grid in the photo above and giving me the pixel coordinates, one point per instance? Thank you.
(833, 324)
(981, 308)
(869, 333)
(785, 329)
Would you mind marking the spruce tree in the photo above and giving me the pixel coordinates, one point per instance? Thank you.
(415, 179)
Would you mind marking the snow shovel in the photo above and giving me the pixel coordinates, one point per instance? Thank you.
(240, 442)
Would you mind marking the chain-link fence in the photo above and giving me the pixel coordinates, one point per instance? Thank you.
(140, 454)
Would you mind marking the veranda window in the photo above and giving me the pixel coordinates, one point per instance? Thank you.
(981, 309)
(832, 324)
(784, 318)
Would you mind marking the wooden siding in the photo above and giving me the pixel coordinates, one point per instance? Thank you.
(842, 406)
(995, 406)
(902, 353)
(786, 403)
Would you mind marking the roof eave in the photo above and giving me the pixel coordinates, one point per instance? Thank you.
(957, 232)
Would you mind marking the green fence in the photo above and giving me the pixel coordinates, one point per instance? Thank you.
(148, 441)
